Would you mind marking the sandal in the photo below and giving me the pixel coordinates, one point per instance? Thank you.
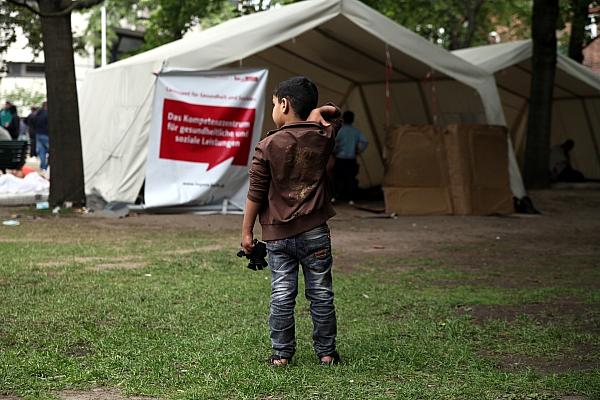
(335, 359)
(272, 361)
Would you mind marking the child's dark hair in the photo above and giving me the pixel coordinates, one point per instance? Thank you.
(301, 92)
(348, 117)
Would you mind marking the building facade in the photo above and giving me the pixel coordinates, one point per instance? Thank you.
(22, 74)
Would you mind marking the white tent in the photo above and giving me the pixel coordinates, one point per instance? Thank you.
(576, 105)
(342, 45)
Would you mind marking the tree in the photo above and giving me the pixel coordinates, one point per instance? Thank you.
(66, 178)
(164, 21)
(457, 24)
(579, 9)
(543, 64)
(171, 19)
(133, 13)
(16, 21)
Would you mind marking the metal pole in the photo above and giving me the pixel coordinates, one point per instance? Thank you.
(591, 128)
(371, 123)
(103, 43)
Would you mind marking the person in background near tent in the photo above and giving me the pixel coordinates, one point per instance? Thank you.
(23, 135)
(6, 115)
(290, 190)
(12, 126)
(41, 135)
(561, 169)
(349, 143)
(30, 121)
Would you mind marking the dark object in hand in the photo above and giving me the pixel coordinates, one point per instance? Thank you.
(257, 257)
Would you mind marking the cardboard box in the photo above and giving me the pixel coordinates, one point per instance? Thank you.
(478, 169)
(462, 170)
(416, 179)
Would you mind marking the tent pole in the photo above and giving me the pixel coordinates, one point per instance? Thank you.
(520, 67)
(591, 128)
(425, 103)
(578, 97)
(362, 53)
(347, 94)
(379, 82)
(292, 73)
(371, 123)
(519, 95)
(518, 142)
(225, 205)
(308, 61)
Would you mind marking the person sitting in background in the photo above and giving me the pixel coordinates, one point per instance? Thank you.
(561, 169)
(349, 143)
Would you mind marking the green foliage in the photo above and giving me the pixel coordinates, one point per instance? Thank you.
(567, 14)
(164, 21)
(24, 98)
(171, 19)
(450, 23)
(131, 13)
(245, 7)
(16, 21)
(458, 23)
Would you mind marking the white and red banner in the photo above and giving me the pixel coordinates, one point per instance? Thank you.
(204, 128)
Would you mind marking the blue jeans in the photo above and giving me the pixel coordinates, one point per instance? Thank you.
(312, 250)
(42, 144)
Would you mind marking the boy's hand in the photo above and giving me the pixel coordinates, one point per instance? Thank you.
(248, 242)
(316, 115)
(250, 214)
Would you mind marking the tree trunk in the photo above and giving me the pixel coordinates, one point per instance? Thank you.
(578, 22)
(543, 64)
(66, 163)
(472, 11)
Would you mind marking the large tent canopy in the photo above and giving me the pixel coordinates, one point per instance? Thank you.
(576, 103)
(343, 45)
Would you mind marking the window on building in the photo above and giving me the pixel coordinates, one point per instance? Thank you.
(16, 69)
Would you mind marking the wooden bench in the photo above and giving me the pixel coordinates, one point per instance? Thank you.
(13, 154)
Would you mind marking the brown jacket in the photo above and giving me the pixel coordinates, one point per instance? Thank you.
(288, 178)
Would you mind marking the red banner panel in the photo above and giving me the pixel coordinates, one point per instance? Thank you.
(206, 134)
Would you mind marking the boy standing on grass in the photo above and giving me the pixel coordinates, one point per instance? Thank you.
(290, 192)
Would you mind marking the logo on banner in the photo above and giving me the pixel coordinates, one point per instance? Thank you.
(206, 134)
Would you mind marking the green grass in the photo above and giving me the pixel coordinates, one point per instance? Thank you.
(194, 326)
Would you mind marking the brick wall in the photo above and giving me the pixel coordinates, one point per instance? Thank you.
(591, 55)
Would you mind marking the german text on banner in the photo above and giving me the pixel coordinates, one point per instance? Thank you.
(204, 128)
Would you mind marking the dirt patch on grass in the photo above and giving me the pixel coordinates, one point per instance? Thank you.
(123, 262)
(118, 265)
(566, 314)
(98, 394)
(79, 349)
(74, 260)
(579, 315)
(578, 361)
(200, 249)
